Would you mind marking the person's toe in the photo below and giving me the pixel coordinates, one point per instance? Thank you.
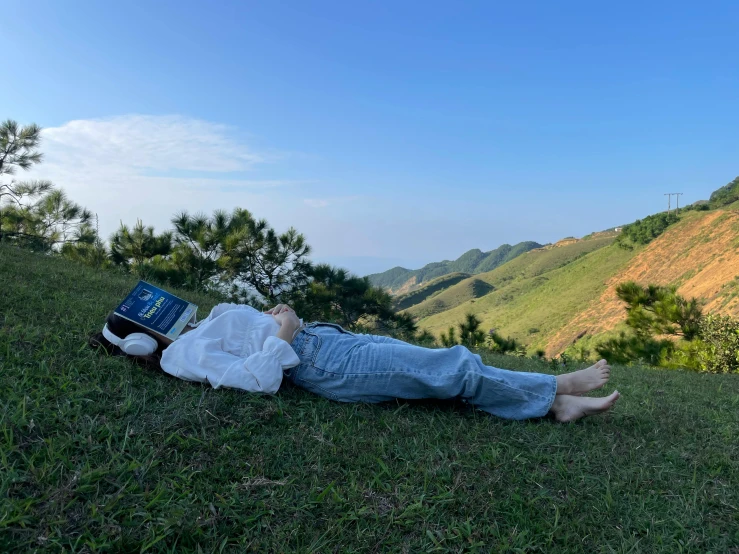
(611, 398)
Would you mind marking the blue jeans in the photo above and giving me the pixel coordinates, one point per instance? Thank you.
(349, 367)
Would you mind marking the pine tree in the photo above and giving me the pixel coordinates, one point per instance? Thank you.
(143, 252)
(18, 150)
(275, 265)
(202, 244)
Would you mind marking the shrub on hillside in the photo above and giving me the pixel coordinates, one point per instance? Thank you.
(726, 195)
(496, 343)
(704, 343)
(644, 231)
(628, 348)
(471, 336)
(449, 339)
(653, 313)
(425, 338)
(720, 337)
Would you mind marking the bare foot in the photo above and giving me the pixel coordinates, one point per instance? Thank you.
(569, 408)
(585, 380)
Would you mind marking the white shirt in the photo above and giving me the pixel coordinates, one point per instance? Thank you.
(236, 346)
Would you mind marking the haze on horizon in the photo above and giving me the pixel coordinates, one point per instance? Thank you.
(387, 134)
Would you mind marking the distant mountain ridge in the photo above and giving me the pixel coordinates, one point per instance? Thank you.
(401, 280)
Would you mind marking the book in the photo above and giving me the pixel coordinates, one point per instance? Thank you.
(157, 310)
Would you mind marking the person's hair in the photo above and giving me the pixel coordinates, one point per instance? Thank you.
(122, 328)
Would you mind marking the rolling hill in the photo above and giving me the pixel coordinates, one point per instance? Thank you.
(403, 301)
(700, 255)
(522, 269)
(399, 280)
(551, 297)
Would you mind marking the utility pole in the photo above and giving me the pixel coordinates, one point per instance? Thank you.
(669, 196)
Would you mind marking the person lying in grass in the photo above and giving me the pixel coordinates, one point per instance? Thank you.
(240, 347)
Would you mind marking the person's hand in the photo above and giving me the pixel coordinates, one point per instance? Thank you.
(287, 318)
(289, 323)
(279, 309)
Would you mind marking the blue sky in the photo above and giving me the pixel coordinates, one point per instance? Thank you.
(389, 133)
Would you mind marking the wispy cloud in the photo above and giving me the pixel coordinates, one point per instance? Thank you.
(149, 167)
(152, 142)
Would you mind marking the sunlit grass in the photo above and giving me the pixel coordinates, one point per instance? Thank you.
(98, 455)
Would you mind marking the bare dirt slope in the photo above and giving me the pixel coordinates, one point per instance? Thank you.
(700, 255)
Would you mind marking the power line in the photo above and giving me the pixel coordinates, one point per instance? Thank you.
(669, 196)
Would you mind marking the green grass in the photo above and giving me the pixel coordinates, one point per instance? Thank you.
(546, 301)
(404, 301)
(516, 271)
(98, 455)
(444, 299)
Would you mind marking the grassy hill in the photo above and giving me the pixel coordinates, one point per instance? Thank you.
(98, 455)
(700, 255)
(403, 301)
(399, 280)
(521, 270)
(548, 299)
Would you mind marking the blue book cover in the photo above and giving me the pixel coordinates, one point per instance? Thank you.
(157, 310)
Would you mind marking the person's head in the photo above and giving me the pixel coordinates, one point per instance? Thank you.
(121, 337)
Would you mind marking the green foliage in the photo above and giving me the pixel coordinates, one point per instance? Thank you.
(32, 213)
(449, 338)
(48, 222)
(335, 295)
(706, 343)
(470, 334)
(94, 254)
(655, 310)
(720, 335)
(407, 300)
(728, 194)
(204, 246)
(582, 352)
(425, 338)
(631, 347)
(652, 313)
(644, 231)
(18, 150)
(18, 146)
(496, 343)
(700, 206)
(275, 265)
(142, 252)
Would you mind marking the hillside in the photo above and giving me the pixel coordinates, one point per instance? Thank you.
(532, 264)
(101, 455)
(399, 280)
(700, 255)
(403, 301)
(549, 306)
